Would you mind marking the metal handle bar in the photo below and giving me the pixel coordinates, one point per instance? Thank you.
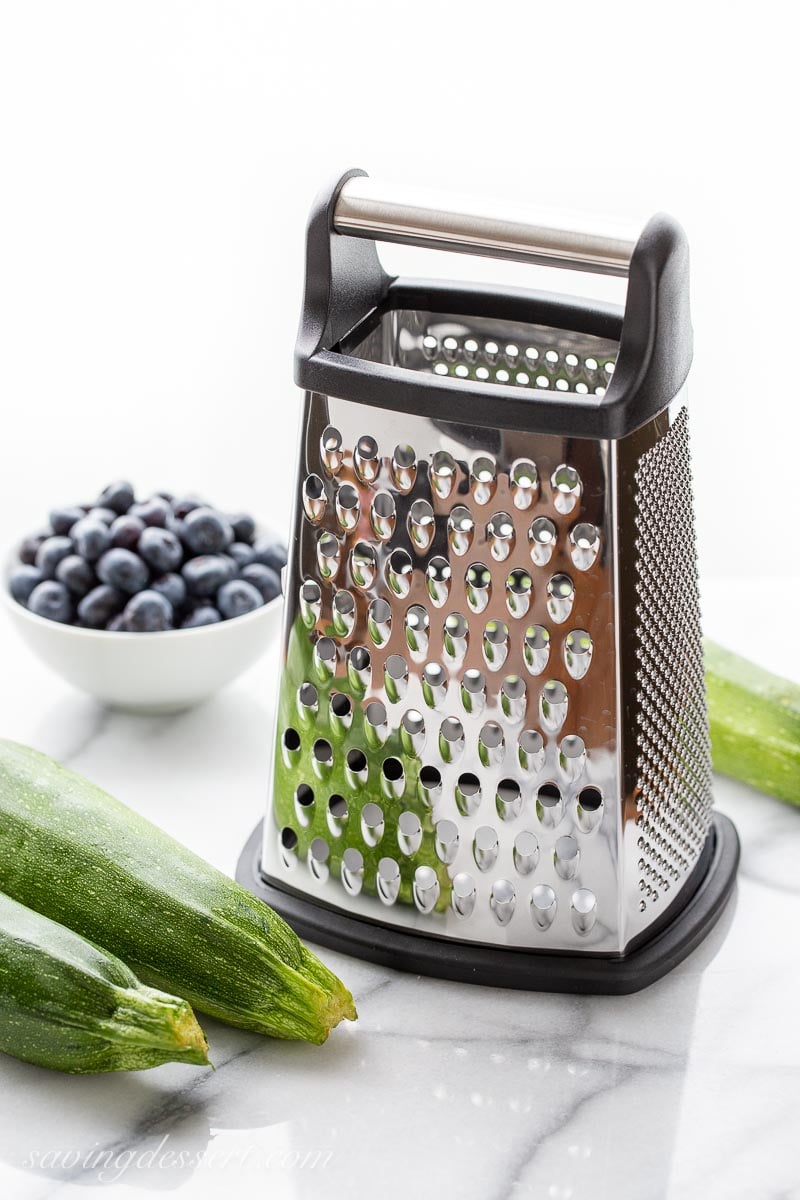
(365, 208)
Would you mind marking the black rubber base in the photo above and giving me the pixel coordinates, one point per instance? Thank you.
(683, 927)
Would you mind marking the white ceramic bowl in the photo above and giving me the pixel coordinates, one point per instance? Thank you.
(148, 672)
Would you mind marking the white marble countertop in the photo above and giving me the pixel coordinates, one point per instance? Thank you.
(688, 1089)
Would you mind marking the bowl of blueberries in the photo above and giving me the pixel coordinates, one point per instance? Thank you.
(150, 605)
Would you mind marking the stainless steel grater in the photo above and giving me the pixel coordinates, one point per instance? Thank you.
(491, 755)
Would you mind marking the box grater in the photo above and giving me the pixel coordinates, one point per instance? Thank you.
(491, 756)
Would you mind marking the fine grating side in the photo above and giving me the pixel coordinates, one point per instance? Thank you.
(674, 757)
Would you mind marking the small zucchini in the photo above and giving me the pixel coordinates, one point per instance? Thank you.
(754, 720)
(71, 851)
(68, 1005)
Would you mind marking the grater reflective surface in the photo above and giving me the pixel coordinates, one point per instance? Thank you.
(448, 749)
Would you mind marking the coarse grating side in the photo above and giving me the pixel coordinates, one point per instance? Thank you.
(407, 554)
(673, 789)
(446, 735)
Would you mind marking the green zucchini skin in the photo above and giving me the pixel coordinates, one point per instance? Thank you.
(73, 852)
(754, 721)
(69, 1005)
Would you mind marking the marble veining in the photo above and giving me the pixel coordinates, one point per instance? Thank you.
(688, 1089)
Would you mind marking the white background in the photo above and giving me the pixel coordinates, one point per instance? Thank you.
(159, 158)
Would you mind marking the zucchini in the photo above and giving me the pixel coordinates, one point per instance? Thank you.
(74, 853)
(754, 721)
(68, 1005)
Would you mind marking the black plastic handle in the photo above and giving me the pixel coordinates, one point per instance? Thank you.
(346, 283)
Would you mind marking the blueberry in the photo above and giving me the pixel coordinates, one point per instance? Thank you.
(241, 553)
(206, 573)
(123, 569)
(117, 624)
(207, 531)
(205, 614)
(28, 548)
(117, 496)
(168, 496)
(160, 549)
(99, 605)
(62, 519)
(186, 504)
(153, 511)
(238, 597)
(106, 516)
(92, 538)
(50, 554)
(270, 553)
(148, 612)
(50, 599)
(244, 527)
(177, 526)
(76, 575)
(263, 578)
(126, 531)
(23, 580)
(173, 587)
